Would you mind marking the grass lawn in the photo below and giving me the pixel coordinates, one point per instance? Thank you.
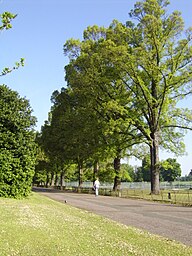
(40, 226)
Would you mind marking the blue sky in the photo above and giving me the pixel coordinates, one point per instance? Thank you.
(38, 34)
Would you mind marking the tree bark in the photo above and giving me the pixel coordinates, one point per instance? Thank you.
(56, 180)
(95, 171)
(154, 151)
(117, 180)
(47, 179)
(80, 170)
(52, 179)
(61, 179)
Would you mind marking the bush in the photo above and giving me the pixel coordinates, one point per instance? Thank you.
(17, 144)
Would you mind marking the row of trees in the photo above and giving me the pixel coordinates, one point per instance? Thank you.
(124, 83)
(46, 175)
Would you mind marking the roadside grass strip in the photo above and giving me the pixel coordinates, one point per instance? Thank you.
(38, 225)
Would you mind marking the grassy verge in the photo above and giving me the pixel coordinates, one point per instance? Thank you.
(40, 226)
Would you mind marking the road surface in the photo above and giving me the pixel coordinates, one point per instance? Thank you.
(170, 221)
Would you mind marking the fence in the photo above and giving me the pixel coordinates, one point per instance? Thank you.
(137, 185)
(170, 196)
(174, 196)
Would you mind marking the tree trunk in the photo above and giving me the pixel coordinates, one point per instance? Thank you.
(95, 170)
(80, 170)
(56, 180)
(61, 180)
(117, 180)
(52, 179)
(154, 153)
(47, 179)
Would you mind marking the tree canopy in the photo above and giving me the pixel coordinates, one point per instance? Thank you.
(144, 69)
(124, 85)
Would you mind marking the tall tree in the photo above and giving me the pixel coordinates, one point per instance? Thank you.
(158, 74)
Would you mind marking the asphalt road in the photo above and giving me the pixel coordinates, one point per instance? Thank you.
(170, 221)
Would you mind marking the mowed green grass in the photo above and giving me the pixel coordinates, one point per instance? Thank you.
(40, 226)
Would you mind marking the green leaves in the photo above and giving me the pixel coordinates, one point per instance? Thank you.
(125, 83)
(170, 170)
(6, 19)
(17, 146)
(16, 66)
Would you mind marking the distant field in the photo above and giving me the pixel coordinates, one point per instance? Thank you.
(40, 226)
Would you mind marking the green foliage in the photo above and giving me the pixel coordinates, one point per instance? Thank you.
(5, 71)
(6, 19)
(170, 169)
(17, 146)
(42, 167)
(106, 172)
(42, 170)
(187, 177)
(143, 173)
(138, 175)
(124, 85)
(127, 173)
(101, 96)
